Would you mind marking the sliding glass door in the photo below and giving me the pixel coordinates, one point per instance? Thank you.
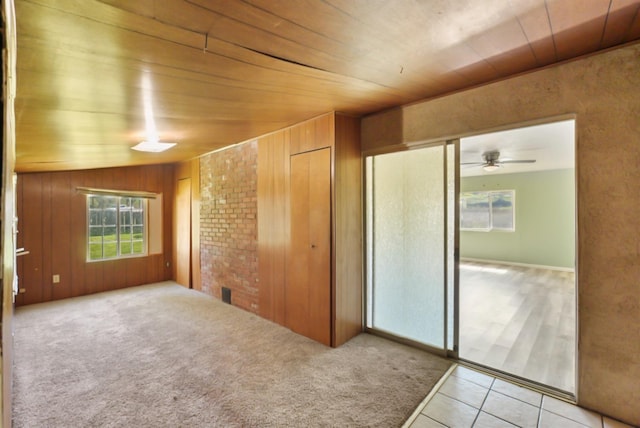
(471, 250)
(407, 245)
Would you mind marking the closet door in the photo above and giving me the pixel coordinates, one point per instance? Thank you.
(308, 288)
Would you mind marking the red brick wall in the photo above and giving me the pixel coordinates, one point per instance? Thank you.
(228, 224)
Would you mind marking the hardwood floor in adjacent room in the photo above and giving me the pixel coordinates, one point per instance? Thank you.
(519, 320)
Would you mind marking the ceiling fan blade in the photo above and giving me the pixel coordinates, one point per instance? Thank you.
(472, 163)
(518, 161)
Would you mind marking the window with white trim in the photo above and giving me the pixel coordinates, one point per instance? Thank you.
(488, 210)
(117, 227)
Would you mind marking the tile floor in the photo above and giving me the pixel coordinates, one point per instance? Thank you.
(468, 398)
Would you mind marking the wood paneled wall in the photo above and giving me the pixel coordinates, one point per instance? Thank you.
(342, 134)
(52, 225)
(190, 169)
(273, 221)
(348, 221)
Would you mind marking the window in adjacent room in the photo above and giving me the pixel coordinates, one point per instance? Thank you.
(117, 227)
(488, 210)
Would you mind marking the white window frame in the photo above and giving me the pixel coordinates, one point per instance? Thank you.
(491, 227)
(118, 225)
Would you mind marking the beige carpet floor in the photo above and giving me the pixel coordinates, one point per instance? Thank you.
(164, 356)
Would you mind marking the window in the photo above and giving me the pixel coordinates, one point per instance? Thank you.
(117, 227)
(485, 211)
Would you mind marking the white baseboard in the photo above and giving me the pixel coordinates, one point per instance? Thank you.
(503, 262)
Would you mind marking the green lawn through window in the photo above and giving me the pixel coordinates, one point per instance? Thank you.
(111, 246)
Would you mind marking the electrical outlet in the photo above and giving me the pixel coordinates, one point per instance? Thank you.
(56, 279)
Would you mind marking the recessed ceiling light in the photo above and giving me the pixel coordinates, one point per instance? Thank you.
(154, 147)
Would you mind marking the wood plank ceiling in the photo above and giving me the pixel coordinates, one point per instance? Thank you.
(219, 72)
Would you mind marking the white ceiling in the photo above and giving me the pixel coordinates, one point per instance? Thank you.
(552, 145)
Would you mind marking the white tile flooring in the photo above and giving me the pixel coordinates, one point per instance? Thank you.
(468, 398)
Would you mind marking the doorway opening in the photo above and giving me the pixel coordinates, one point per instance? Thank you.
(517, 292)
(471, 250)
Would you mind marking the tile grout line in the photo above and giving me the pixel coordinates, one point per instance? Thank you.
(483, 401)
(429, 396)
(516, 398)
(540, 411)
(573, 420)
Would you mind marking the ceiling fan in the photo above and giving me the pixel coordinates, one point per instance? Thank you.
(492, 161)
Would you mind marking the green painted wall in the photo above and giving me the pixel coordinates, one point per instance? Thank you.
(545, 219)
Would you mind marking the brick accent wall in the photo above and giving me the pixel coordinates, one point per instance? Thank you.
(228, 224)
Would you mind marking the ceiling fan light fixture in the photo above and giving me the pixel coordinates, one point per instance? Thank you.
(152, 146)
(491, 167)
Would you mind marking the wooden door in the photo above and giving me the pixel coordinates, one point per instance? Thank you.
(308, 288)
(183, 232)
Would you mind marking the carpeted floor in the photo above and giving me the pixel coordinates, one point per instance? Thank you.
(165, 356)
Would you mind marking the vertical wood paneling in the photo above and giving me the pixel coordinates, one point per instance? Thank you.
(167, 200)
(115, 274)
(78, 236)
(53, 226)
(319, 245)
(31, 233)
(187, 204)
(60, 250)
(196, 280)
(273, 156)
(280, 259)
(296, 135)
(280, 302)
(47, 237)
(348, 250)
(311, 135)
(183, 232)
(323, 132)
(136, 268)
(308, 283)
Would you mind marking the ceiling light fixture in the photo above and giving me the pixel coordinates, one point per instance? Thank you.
(490, 167)
(152, 146)
(152, 143)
